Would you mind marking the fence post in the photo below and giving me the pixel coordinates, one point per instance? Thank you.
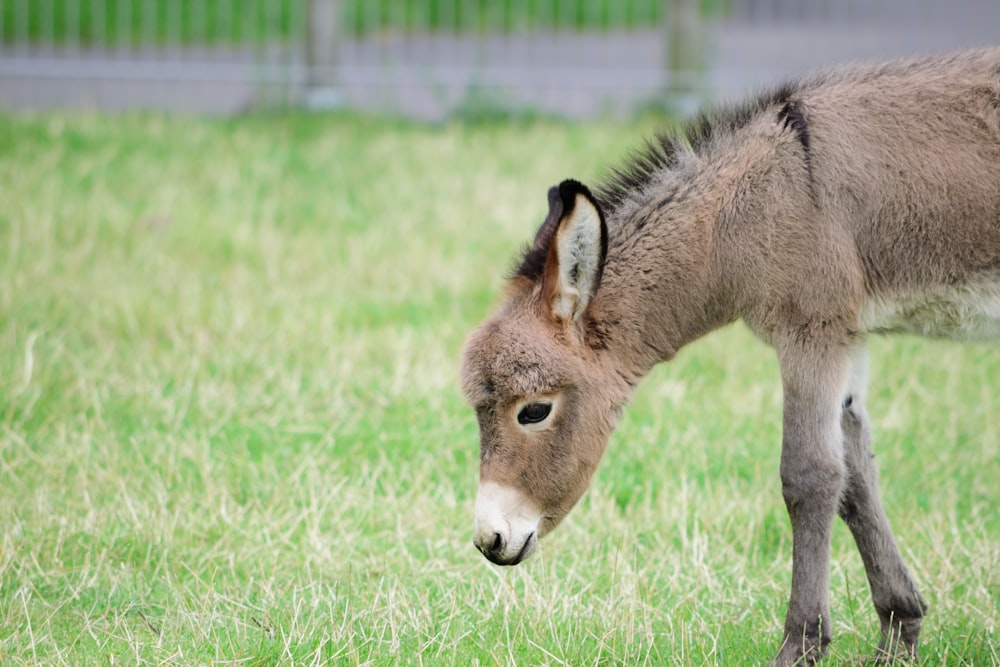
(685, 54)
(322, 18)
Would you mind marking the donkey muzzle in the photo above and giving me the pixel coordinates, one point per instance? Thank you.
(505, 529)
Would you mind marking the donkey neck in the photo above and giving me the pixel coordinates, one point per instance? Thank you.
(660, 288)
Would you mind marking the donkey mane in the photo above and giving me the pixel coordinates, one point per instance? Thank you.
(662, 153)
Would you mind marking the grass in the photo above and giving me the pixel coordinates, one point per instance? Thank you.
(252, 21)
(230, 431)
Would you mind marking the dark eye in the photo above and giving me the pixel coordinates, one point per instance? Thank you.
(534, 413)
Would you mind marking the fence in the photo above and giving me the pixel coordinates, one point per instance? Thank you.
(203, 55)
(431, 57)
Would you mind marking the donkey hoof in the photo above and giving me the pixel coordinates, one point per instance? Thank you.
(806, 651)
(896, 653)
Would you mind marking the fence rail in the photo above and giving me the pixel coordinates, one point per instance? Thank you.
(431, 57)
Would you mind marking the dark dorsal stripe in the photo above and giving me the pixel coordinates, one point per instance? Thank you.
(792, 116)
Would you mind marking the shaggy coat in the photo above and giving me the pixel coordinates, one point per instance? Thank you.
(862, 200)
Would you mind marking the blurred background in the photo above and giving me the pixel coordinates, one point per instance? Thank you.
(230, 421)
(433, 58)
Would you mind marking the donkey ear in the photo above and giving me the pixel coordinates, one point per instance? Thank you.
(577, 252)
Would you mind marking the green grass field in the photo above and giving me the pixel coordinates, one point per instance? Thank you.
(231, 433)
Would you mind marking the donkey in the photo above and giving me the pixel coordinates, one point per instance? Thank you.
(858, 201)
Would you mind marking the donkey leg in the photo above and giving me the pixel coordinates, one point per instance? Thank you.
(900, 607)
(812, 479)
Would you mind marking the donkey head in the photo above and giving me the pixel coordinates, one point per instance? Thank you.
(545, 396)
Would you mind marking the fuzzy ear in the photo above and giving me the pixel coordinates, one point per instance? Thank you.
(576, 253)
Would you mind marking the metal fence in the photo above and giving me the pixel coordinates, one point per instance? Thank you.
(432, 57)
(199, 55)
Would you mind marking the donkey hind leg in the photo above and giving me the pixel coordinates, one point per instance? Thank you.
(813, 477)
(900, 607)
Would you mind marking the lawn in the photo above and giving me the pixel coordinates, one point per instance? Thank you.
(231, 433)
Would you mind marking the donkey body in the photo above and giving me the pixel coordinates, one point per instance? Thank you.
(863, 200)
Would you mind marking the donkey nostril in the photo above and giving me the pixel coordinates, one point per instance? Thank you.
(497, 545)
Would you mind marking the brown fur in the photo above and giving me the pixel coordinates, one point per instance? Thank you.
(862, 200)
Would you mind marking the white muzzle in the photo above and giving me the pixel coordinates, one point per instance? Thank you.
(506, 524)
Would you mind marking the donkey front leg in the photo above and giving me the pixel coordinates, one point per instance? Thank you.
(812, 480)
(900, 607)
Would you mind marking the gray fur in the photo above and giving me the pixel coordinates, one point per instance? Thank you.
(863, 200)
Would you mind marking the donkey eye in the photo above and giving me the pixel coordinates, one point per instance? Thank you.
(534, 413)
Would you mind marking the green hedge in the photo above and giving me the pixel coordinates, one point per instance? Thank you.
(249, 21)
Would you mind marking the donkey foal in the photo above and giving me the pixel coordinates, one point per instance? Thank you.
(863, 200)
